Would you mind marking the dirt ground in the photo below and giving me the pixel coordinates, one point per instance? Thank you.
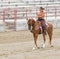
(19, 44)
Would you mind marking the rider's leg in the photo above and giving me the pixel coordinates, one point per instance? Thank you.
(43, 26)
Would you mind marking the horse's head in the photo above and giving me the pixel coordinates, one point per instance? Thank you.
(30, 23)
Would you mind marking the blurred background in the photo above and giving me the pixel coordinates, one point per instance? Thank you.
(13, 13)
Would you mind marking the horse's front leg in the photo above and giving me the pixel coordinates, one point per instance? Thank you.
(35, 41)
(44, 40)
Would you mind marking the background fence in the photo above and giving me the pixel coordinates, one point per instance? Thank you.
(13, 13)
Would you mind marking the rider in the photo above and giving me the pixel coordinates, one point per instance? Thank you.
(40, 16)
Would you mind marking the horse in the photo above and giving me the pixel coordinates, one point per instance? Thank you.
(34, 27)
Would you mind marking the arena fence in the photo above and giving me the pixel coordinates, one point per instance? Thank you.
(15, 18)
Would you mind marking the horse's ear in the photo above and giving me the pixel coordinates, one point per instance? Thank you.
(27, 18)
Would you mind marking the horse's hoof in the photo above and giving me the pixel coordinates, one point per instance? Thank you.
(42, 47)
(33, 48)
(51, 45)
(38, 47)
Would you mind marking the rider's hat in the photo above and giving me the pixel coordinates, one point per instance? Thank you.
(41, 8)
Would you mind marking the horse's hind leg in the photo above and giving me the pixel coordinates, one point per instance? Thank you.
(50, 37)
(35, 41)
(44, 40)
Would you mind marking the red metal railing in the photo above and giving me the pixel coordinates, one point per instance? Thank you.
(7, 11)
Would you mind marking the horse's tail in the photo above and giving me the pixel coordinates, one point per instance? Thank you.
(50, 30)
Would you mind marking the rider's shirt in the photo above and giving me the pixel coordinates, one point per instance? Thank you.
(40, 14)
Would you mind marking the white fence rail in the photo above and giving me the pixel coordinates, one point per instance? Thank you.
(13, 13)
(22, 25)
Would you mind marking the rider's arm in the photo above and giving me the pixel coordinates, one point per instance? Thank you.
(42, 15)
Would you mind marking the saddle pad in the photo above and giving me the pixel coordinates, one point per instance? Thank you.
(46, 25)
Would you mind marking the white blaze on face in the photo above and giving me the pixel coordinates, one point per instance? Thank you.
(31, 27)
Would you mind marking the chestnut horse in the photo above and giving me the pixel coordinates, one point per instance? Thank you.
(34, 27)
